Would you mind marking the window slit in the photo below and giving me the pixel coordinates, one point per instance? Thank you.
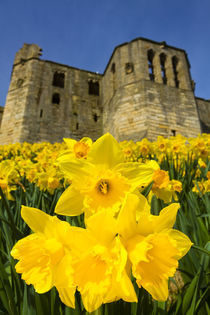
(150, 56)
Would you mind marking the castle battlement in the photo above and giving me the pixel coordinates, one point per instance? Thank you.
(146, 90)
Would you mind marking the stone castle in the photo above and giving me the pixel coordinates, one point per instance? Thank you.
(146, 90)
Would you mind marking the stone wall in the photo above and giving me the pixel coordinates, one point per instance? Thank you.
(204, 114)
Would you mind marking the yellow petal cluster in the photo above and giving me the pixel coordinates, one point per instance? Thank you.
(95, 260)
(153, 247)
(122, 240)
(102, 180)
(164, 188)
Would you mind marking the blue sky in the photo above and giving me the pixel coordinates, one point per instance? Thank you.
(83, 33)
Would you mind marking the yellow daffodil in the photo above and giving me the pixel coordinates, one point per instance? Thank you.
(93, 260)
(201, 163)
(101, 181)
(100, 263)
(77, 149)
(153, 247)
(164, 188)
(161, 179)
(202, 187)
(144, 147)
(8, 177)
(129, 150)
(44, 254)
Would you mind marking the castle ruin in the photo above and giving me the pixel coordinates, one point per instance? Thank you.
(146, 90)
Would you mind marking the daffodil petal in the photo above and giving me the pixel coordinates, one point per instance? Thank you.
(35, 218)
(181, 242)
(103, 226)
(87, 140)
(75, 169)
(70, 142)
(66, 295)
(158, 290)
(121, 290)
(148, 223)
(91, 301)
(127, 217)
(64, 281)
(143, 205)
(70, 202)
(106, 150)
(166, 218)
(84, 241)
(137, 174)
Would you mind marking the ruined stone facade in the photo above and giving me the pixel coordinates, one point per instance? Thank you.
(145, 91)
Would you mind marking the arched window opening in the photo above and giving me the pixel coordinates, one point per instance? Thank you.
(77, 126)
(150, 56)
(93, 87)
(163, 69)
(41, 113)
(113, 68)
(56, 98)
(175, 61)
(58, 79)
(95, 117)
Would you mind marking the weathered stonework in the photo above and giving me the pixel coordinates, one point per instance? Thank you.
(145, 91)
(204, 114)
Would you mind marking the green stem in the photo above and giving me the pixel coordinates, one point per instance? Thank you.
(203, 250)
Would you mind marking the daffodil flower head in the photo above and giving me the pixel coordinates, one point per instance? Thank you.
(101, 181)
(100, 266)
(153, 247)
(43, 254)
(8, 177)
(78, 149)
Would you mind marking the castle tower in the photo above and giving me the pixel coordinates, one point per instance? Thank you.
(48, 101)
(147, 91)
(20, 96)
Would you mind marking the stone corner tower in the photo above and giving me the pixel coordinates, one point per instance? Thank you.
(16, 116)
(148, 91)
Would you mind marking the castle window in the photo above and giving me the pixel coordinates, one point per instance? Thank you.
(93, 87)
(56, 98)
(41, 113)
(173, 132)
(113, 68)
(58, 79)
(163, 68)
(150, 56)
(129, 67)
(175, 61)
(95, 117)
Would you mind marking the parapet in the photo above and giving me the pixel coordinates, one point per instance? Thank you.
(28, 51)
